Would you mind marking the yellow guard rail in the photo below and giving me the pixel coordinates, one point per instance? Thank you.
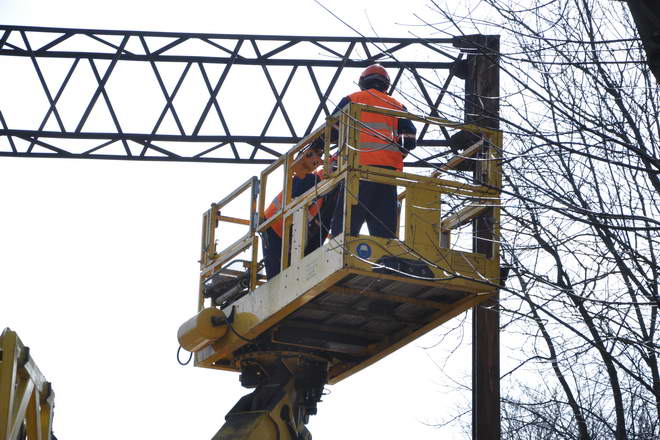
(346, 301)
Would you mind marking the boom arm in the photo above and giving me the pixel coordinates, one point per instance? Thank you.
(288, 386)
(26, 398)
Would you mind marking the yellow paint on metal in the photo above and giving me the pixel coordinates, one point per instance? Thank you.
(26, 398)
(201, 330)
(342, 371)
(223, 347)
(427, 230)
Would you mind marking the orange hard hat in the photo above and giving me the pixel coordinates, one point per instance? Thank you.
(374, 73)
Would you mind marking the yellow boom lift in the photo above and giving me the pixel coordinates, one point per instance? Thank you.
(353, 300)
(26, 398)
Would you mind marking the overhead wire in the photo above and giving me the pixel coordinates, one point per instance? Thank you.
(503, 160)
(409, 251)
(393, 57)
(403, 66)
(362, 127)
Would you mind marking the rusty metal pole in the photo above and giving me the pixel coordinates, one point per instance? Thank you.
(482, 89)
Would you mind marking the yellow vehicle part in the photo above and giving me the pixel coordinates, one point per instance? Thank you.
(359, 298)
(342, 305)
(26, 398)
(203, 329)
(287, 385)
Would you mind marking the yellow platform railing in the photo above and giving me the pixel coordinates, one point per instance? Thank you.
(428, 224)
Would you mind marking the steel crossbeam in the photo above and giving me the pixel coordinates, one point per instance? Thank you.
(132, 95)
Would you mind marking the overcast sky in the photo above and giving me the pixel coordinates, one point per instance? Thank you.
(98, 259)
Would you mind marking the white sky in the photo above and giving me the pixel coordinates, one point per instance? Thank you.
(98, 260)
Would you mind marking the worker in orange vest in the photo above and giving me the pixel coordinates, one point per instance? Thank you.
(384, 142)
(304, 178)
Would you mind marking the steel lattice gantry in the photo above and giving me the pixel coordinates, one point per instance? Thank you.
(101, 94)
(164, 96)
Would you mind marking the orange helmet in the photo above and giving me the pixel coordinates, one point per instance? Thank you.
(374, 77)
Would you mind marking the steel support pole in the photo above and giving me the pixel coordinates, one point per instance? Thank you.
(482, 90)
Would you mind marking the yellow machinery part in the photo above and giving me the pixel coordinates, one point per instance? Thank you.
(257, 425)
(355, 299)
(288, 387)
(203, 329)
(26, 398)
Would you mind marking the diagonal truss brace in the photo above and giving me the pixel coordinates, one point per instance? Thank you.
(220, 64)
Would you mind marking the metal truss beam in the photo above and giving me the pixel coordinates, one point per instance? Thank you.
(165, 96)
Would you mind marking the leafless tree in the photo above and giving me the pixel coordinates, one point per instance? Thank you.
(581, 222)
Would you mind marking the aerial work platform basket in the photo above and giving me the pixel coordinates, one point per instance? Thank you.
(354, 299)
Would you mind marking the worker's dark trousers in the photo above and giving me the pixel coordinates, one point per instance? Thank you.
(319, 227)
(271, 244)
(377, 205)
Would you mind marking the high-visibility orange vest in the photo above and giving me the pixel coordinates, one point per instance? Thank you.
(378, 132)
(276, 204)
